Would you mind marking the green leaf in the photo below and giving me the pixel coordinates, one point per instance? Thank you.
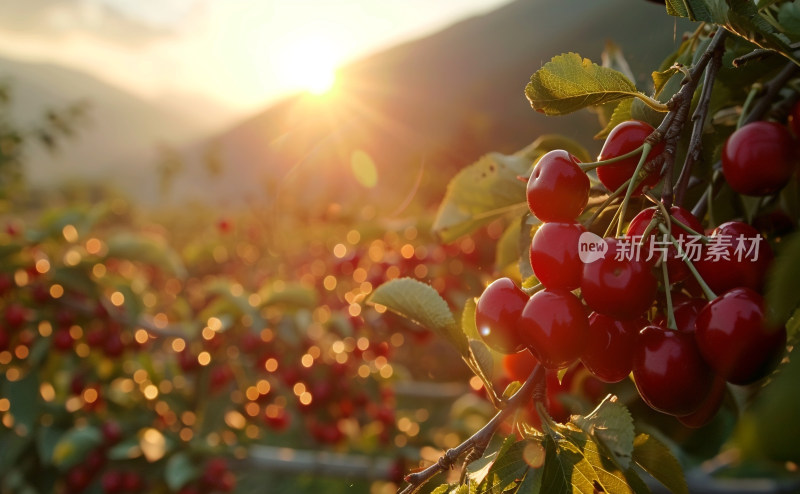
(532, 483)
(660, 79)
(622, 113)
(507, 251)
(72, 448)
(481, 193)
(420, 303)
(468, 325)
(46, 442)
(180, 470)
(657, 460)
(608, 473)
(782, 296)
(612, 425)
(762, 430)
(568, 83)
(566, 469)
(789, 16)
(148, 249)
(479, 469)
(549, 142)
(482, 358)
(508, 469)
(24, 401)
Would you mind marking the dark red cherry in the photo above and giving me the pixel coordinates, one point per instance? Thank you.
(709, 408)
(558, 189)
(735, 338)
(616, 286)
(623, 139)
(759, 158)
(670, 374)
(736, 256)
(609, 347)
(554, 326)
(554, 255)
(497, 315)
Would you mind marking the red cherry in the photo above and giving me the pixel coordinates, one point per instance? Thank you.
(5, 339)
(735, 338)
(737, 256)
(16, 315)
(554, 326)
(669, 371)
(651, 249)
(759, 158)
(518, 366)
(609, 347)
(558, 189)
(623, 139)
(685, 314)
(62, 340)
(497, 314)
(113, 345)
(709, 408)
(112, 482)
(618, 287)
(78, 478)
(554, 255)
(112, 432)
(132, 482)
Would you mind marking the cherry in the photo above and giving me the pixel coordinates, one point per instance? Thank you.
(62, 340)
(554, 325)
(735, 338)
(740, 258)
(623, 139)
(709, 408)
(554, 255)
(112, 432)
(497, 314)
(78, 478)
(16, 315)
(112, 482)
(650, 249)
(558, 189)
(5, 339)
(132, 482)
(685, 314)
(670, 374)
(759, 158)
(621, 288)
(609, 347)
(518, 366)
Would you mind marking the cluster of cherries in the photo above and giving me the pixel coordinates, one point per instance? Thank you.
(619, 323)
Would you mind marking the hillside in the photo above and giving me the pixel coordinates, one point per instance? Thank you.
(438, 102)
(118, 139)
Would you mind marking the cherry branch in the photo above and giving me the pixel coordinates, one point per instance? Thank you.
(679, 105)
(477, 443)
(699, 119)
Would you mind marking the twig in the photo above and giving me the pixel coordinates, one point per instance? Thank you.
(699, 119)
(478, 442)
(758, 54)
(771, 90)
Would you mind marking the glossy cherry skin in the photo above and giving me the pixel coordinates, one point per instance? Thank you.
(670, 374)
(685, 314)
(558, 189)
(518, 366)
(744, 267)
(497, 315)
(709, 408)
(676, 268)
(759, 158)
(623, 139)
(554, 255)
(554, 326)
(735, 338)
(609, 347)
(620, 288)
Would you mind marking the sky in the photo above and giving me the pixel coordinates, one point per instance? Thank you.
(242, 54)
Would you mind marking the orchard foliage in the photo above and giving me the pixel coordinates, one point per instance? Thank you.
(705, 160)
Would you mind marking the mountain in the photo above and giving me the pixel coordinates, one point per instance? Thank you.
(423, 109)
(118, 140)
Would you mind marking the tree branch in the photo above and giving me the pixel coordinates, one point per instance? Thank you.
(480, 440)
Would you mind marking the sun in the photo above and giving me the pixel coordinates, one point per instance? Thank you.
(309, 65)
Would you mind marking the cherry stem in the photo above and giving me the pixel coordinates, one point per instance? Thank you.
(597, 164)
(688, 229)
(646, 147)
(477, 443)
(602, 207)
(671, 324)
(535, 288)
(708, 292)
(748, 102)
